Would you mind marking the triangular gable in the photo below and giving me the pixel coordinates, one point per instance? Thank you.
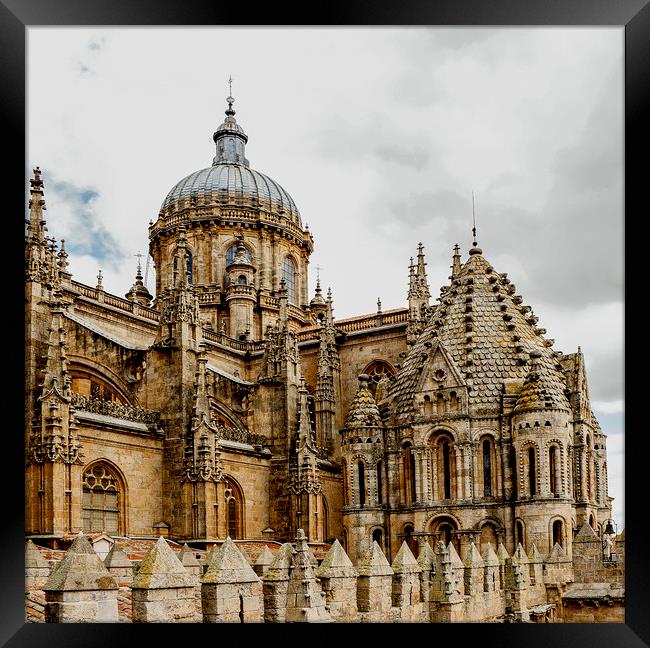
(439, 369)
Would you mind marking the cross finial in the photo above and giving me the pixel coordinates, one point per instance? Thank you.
(456, 249)
(230, 85)
(318, 269)
(139, 255)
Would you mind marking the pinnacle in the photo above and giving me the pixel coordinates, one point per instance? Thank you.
(336, 563)
(490, 558)
(426, 557)
(373, 562)
(405, 562)
(228, 565)
(161, 569)
(33, 557)
(187, 557)
(116, 557)
(80, 569)
(474, 558)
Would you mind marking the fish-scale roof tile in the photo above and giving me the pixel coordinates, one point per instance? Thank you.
(493, 341)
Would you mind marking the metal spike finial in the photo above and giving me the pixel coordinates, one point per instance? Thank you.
(474, 243)
(229, 98)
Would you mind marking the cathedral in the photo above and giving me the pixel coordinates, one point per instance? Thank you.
(232, 404)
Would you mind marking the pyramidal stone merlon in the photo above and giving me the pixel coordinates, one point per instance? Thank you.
(161, 569)
(228, 565)
(80, 569)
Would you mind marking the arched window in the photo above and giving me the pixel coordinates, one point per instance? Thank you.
(344, 475)
(241, 280)
(324, 519)
(488, 534)
(378, 537)
(410, 540)
(380, 482)
(520, 536)
(532, 479)
(557, 533)
(445, 530)
(440, 404)
(289, 276)
(446, 468)
(454, 402)
(234, 509)
(409, 475)
(379, 371)
(361, 474)
(554, 472)
(487, 468)
(101, 500)
(592, 521)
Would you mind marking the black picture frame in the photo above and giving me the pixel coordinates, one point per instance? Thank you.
(17, 15)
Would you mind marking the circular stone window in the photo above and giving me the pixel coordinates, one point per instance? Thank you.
(439, 374)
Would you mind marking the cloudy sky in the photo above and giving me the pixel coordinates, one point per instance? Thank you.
(380, 135)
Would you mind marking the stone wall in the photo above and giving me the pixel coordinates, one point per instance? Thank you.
(292, 588)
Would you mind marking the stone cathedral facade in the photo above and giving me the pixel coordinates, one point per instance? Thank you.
(231, 403)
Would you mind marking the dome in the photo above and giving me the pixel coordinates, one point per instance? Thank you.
(234, 185)
(229, 182)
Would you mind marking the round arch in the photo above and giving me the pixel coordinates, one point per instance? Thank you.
(81, 367)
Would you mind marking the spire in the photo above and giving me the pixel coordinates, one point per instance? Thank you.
(455, 262)
(363, 411)
(230, 137)
(138, 292)
(475, 249)
(36, 223)
(41, 262)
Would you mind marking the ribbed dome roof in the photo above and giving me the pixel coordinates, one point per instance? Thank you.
(229, 182)
(246, 187)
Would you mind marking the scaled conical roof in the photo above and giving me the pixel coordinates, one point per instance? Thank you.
(363, 411)
(483, 326)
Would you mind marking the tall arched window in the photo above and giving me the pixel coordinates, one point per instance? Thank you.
(487, 468)
(234, 509)
(377, 536)
(324, 516)
(101, 500)
(554, 473)
(361, 474)
(344, 475)
(446, 468)
(519, 533)
(289, 276)
(532, 478)
(409, 474)
(557, 533)
(380, 482)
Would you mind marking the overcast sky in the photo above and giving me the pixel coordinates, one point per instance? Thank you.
(380, 136)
